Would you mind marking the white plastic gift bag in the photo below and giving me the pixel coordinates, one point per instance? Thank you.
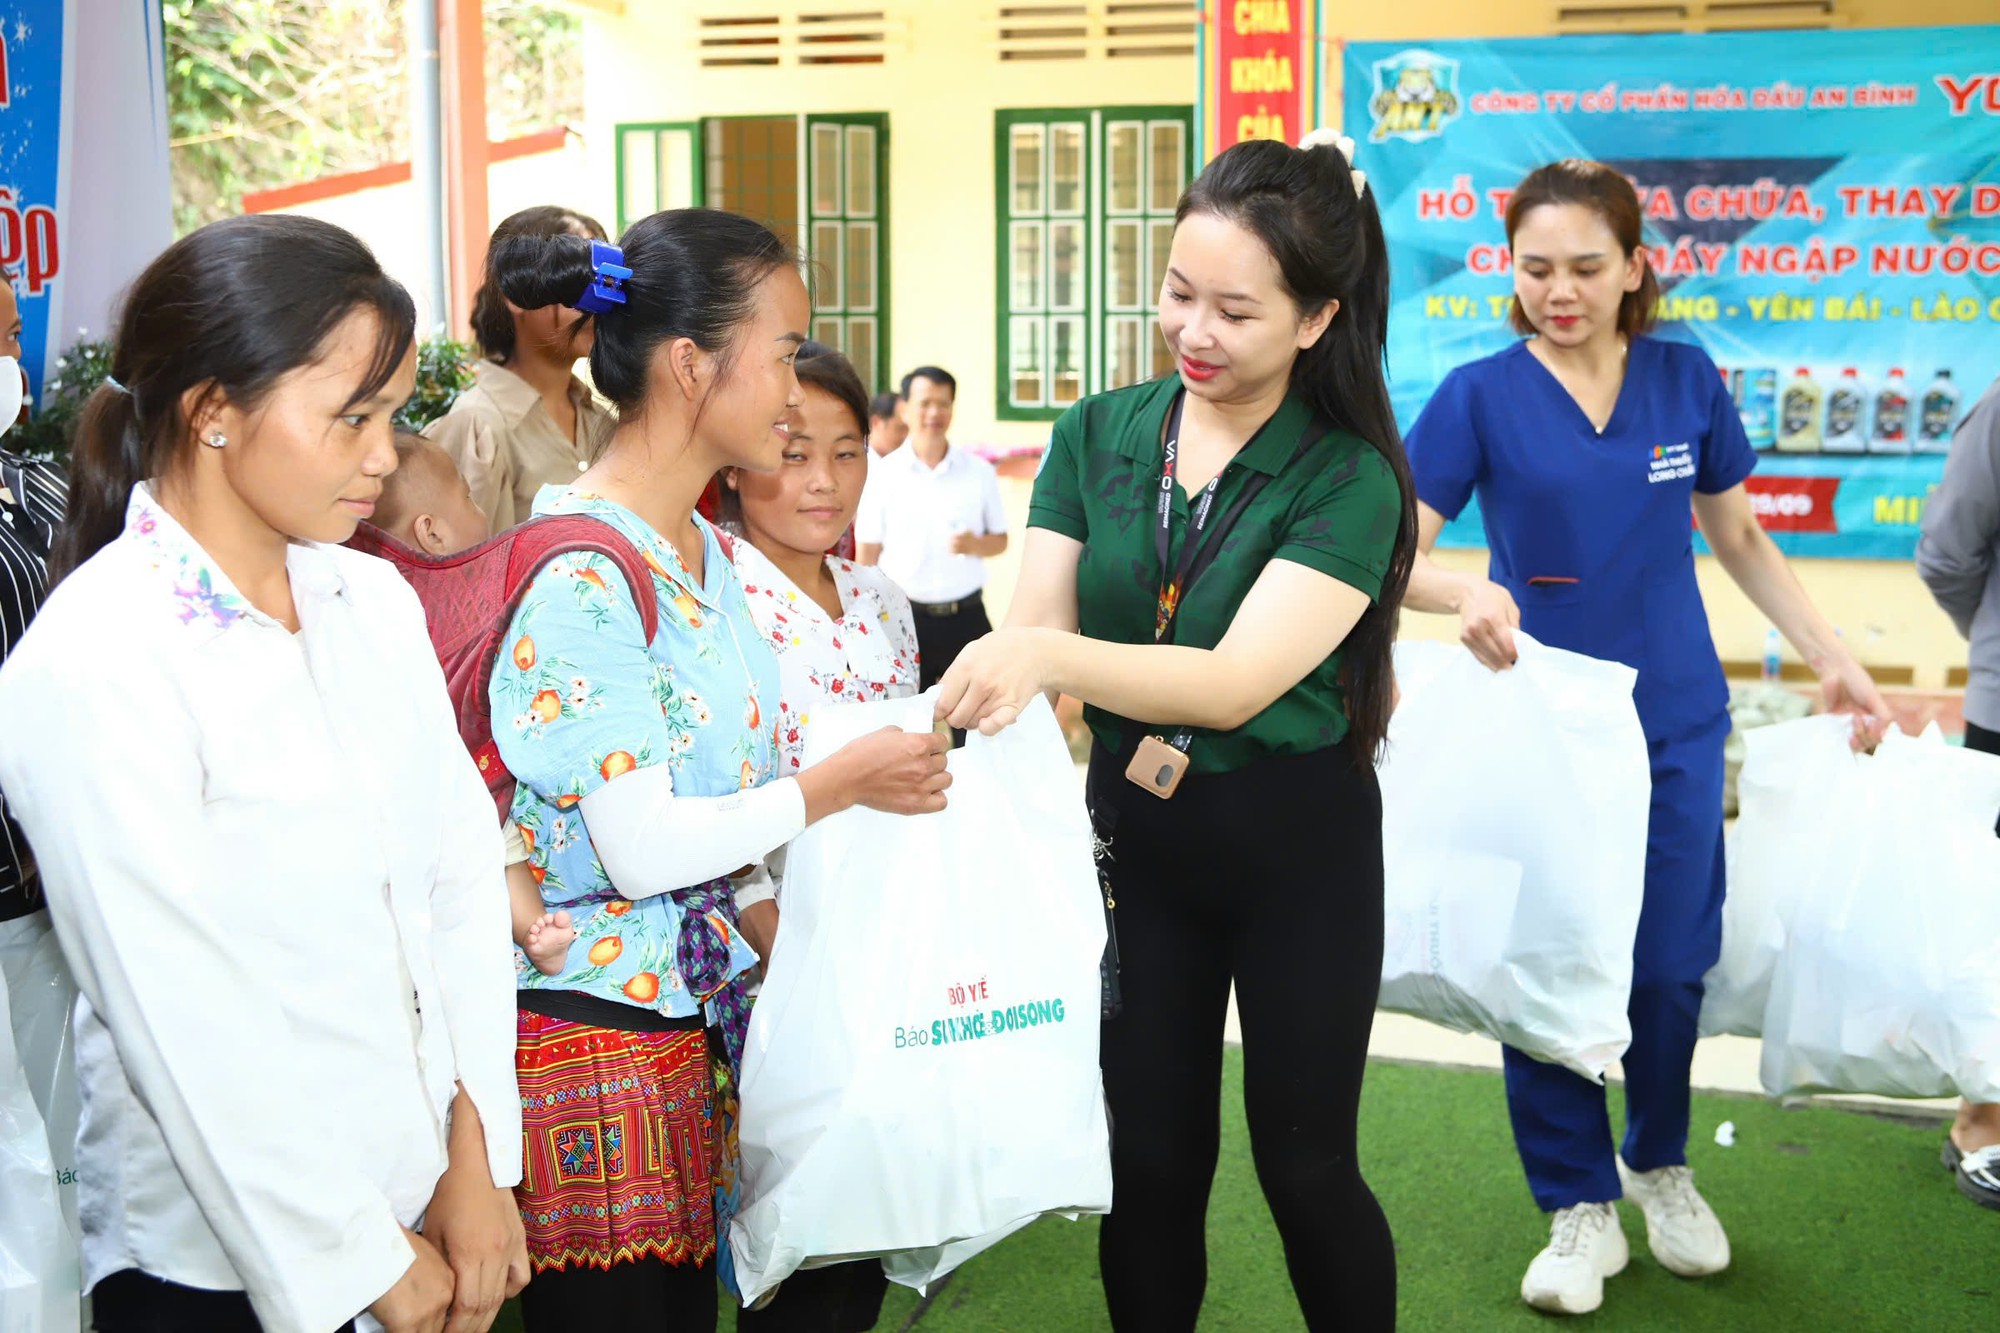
(1514, 815)
(921, 1070)
(1797, 776)
(41, 1285)
(920, 1268)
(1888, 981)
(42, 996)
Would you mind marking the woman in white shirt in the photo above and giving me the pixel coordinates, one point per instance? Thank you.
(842, 632)
(271, 863)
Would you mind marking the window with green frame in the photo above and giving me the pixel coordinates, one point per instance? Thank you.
(820, 181)
(847, 222)
(1086, 201)
(660, 165)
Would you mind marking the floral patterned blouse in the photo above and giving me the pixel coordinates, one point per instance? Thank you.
(579, 698)
(869, 653)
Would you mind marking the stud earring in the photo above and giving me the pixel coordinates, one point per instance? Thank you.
(216, 439)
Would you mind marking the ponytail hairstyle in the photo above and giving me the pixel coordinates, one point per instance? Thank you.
(695, 273)
(227, 310)
(1320, 224)
(1607, 193)
(492, 322)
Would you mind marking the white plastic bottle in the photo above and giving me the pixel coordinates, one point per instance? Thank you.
(1798, 415)
(1939, 413)
(1846, 426)
(1759, 407)
(1891, 432)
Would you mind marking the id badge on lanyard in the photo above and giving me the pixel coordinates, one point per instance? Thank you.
(1159, 764)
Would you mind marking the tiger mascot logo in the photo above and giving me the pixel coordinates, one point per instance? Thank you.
(1416, 96)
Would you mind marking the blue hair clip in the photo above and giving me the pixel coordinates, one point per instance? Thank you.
(608, 276)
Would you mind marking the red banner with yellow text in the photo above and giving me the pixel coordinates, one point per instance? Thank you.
(1263, 71)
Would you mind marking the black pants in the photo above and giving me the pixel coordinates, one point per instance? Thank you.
(846, 1298)
(132, 1302)
(1270, 877)
(643, 1294)
(940, 639)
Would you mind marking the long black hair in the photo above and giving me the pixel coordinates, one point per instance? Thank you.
(492, 321)
(1326, 237)
(233, 307)
(695, 273)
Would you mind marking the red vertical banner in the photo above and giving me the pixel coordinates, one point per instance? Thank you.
(1263, 71)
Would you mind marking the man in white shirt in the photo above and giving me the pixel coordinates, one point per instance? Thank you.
(886, 428)
(931, 517)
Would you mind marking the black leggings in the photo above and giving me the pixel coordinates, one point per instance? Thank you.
(1271, 877)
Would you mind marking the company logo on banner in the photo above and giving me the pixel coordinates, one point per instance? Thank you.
(1822, 211)
(1265, 71)
(1416, 96)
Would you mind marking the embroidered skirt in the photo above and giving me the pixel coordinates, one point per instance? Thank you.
(621, 1144)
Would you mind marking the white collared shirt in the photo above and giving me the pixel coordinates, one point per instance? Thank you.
(277, 877)
(912, 511)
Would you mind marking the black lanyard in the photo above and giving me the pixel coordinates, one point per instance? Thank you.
(1197, 555)
(1174, 582)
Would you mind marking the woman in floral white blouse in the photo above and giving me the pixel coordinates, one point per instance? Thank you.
(841, 632)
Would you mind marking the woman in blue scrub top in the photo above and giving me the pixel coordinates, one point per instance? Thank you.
(1587, 444)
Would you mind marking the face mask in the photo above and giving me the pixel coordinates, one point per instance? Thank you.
(10, 392)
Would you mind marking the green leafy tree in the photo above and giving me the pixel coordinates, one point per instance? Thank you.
(444, 371)
(80, 372)
(262, 93)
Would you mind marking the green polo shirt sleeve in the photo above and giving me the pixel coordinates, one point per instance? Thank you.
(1057, 502)
(1344, 524)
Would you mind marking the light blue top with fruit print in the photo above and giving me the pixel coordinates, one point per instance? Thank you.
(579, 698)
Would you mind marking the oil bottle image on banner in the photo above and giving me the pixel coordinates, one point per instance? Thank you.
(1857, 415)
(1798, 420)
(1846, 431)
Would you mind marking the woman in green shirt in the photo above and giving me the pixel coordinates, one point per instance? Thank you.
(1213, 565)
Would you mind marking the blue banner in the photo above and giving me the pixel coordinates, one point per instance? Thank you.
(31, 105)
(1823, 214)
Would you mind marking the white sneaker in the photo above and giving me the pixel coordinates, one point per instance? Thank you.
(1681, 1228)
(1585, 1247)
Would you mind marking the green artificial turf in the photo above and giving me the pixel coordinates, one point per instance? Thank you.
(1840, 1221)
